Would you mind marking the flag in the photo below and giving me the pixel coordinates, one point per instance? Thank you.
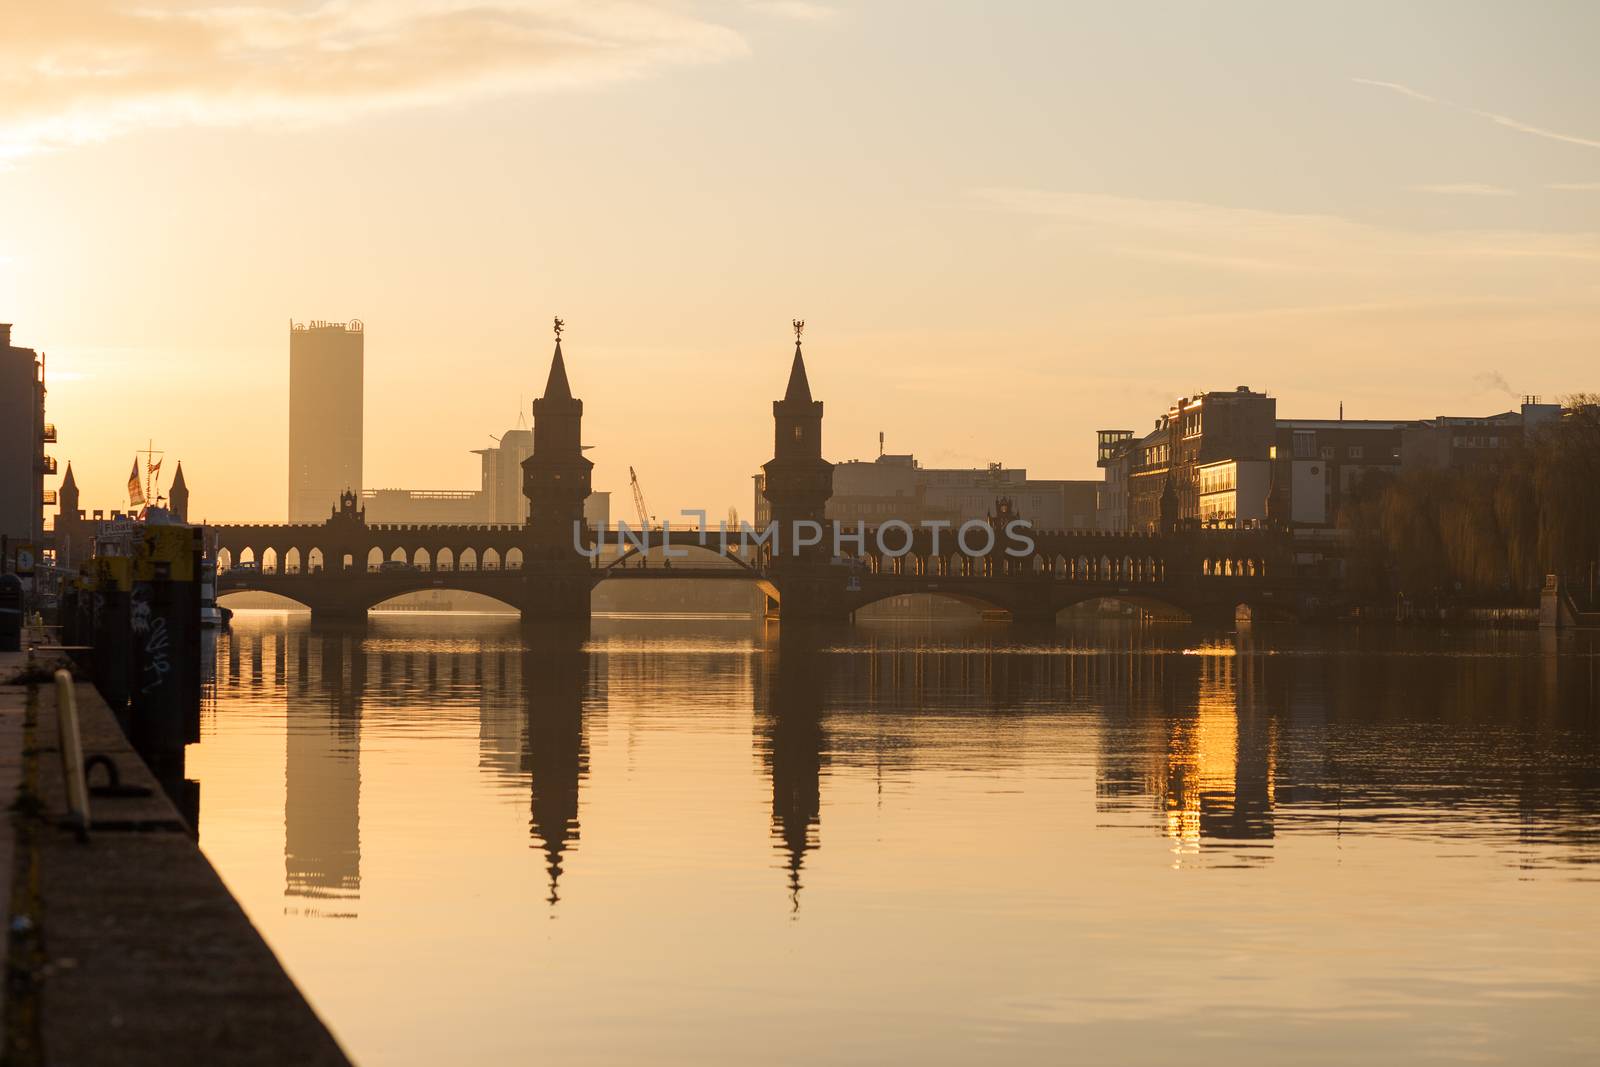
(135, 490)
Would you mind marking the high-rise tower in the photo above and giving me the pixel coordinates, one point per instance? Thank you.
(325, 422)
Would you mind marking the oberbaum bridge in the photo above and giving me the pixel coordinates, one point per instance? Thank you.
(548, 567)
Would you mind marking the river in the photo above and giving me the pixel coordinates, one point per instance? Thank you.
(688, 842)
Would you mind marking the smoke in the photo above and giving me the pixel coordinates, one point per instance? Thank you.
(1493, 379)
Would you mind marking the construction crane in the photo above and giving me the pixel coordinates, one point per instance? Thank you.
(638, 500)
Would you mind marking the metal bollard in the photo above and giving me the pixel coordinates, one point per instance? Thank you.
(71, 744)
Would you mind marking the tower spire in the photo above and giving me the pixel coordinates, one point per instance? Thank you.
(556, 387)
(799, 388)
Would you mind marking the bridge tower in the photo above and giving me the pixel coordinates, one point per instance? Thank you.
(798, 484)
(556, 481)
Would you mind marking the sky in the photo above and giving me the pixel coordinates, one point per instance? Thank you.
(1007, 223)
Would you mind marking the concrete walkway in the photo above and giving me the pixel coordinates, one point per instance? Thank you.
(131, 951)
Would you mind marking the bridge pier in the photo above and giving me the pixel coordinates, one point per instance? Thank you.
(338, 614)
(555, 594)
(811, 594)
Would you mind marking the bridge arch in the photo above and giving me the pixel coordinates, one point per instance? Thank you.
(426, 583)
(882, 594)
(656, 556)
(289, 603)
(1152, 602)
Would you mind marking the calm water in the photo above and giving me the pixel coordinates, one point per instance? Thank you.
(683, 843)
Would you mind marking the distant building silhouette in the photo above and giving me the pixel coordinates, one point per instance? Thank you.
(502, 476)
(23, 435)
(178, 496)
(1224, 458)
(898, 487)
(325, 415)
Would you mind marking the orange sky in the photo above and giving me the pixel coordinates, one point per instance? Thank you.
(1007, 225)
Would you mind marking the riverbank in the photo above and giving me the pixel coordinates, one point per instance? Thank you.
(126, 948)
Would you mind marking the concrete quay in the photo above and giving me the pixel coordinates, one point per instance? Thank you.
(126, 948)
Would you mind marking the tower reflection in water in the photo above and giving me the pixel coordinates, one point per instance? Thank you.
(555, 673)
(1210, 741)
(791, 688)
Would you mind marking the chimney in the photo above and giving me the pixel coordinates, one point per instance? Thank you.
(5, 335)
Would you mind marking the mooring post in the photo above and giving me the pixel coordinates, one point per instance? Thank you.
(70, 738)
(111, 663)
(164, 618)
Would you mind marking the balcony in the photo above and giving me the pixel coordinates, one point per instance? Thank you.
(49, 433)
(47, 464)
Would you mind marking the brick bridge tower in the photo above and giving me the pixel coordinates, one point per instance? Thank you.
(555, 479)
(798, 484)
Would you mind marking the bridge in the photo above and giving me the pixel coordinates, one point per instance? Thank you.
(547, 567)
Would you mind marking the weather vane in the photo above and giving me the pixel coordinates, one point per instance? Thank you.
(799, 328)
(559, 327)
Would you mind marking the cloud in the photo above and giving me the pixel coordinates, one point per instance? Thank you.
(92, 69)
(800, 10)
(1576, 187)
(1464, 189)
(1215, 237)
(1537, 131)
(1404, 90)
(1498, 119)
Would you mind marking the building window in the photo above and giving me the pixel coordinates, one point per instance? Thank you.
(1305, 444)
(1328, 451)
(1355, 452)
(797, 433)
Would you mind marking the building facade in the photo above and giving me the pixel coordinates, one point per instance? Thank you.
(1230, 462)
(1204, 461)
(23, 436)
(325, 415)
(898, 487)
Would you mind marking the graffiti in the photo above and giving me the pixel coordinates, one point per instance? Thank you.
(157, 663)
(157, 643)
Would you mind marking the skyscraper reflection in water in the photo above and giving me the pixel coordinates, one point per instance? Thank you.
(322, 776)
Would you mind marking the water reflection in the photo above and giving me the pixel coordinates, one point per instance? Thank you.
(923, 824)
(555, 671)
(322, 768)
(792, 744)
(1214, 737)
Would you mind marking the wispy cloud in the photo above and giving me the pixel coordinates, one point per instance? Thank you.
(800, 10)
(1465, 189)
(1576, 187)
(1214, 237)
(78, 72)
(1404, 90)
(1538, 131)
(1498, 119)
